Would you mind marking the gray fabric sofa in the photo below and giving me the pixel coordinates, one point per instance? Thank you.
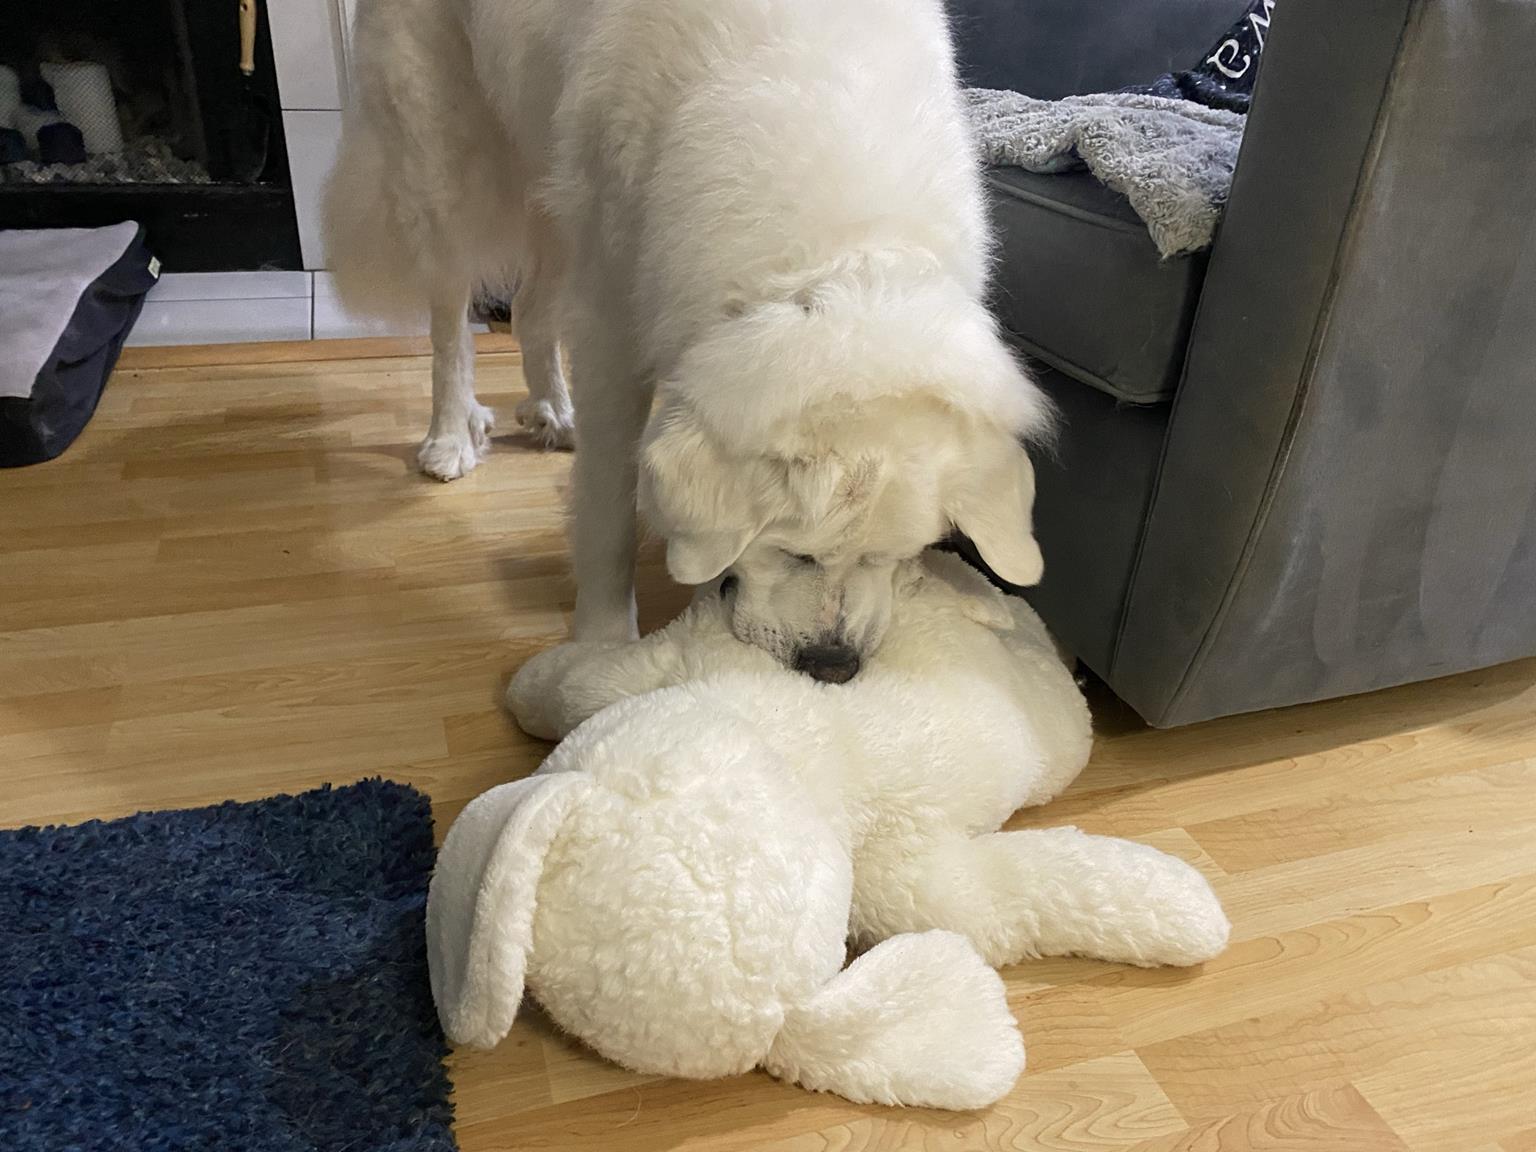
(1303, 464)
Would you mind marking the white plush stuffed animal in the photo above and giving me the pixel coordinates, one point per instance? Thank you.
(677, 882)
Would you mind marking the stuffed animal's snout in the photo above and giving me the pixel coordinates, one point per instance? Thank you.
(829, 661)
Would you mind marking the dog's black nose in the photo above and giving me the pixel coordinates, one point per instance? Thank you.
(829, 663)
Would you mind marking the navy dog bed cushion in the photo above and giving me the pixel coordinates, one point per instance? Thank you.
(68, 299)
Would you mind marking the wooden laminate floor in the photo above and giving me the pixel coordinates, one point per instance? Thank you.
(235, 584)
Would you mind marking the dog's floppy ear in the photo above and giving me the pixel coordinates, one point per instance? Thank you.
(481, 901)
(695, 497)
(699, 557)
(994, 506)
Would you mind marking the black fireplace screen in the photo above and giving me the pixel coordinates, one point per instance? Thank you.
(139, 109)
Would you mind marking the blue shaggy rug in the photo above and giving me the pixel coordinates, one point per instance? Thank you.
(246, 978)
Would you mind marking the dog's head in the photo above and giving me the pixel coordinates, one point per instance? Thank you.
(805, 448)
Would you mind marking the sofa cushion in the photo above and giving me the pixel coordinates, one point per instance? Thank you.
(1081, 286)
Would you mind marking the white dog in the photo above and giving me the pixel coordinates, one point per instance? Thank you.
(675, 885)
(765, 214)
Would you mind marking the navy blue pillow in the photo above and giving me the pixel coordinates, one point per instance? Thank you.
(1225, 75)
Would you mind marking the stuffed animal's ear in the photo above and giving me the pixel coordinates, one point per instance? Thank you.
(978, 599)
(480, 905)
(995, 508)
(912, 573)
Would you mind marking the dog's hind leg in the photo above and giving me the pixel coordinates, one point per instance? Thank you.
(460, 435)
(547, 413)
(425, 202)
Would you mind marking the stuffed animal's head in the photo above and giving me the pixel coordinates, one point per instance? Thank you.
(932, 598)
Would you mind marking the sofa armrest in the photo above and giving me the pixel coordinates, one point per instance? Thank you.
(1054, 48)
(1348, 496)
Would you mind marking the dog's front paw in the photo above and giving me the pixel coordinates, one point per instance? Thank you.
(551, 426)
(454, 451)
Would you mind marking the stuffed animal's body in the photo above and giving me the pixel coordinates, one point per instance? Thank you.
(677, 882)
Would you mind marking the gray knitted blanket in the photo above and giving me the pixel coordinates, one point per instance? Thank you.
(1172, 159)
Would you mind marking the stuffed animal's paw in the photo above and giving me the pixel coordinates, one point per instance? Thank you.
(918, 1020)
(1168, 912)
(559, 688)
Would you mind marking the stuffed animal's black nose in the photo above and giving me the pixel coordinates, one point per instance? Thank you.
(829, 663)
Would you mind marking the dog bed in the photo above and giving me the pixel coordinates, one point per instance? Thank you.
(68, 299)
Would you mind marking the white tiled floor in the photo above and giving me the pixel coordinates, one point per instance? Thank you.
(238, 307)
(333, 322)
(221, 321)
(175, 287)
(225, 308)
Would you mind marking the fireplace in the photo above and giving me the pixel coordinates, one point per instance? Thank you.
(173, 133)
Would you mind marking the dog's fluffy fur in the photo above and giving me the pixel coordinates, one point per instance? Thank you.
(768, 215)
(676, 883)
